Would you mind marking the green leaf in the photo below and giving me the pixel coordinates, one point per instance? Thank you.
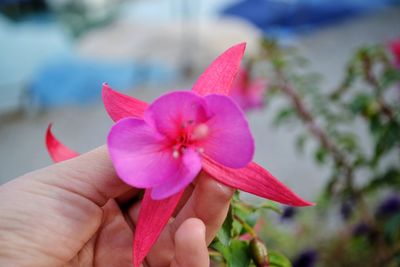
(348, 141)
(390, 77)
(237, 229)
(284, 115)
(320, 155)
(224, 250)
(375, 125)
(390, 179)
(239, 254)
(225, 233)
(387, 138)
(300, 142)
(277, 259)
(269, 205)
(246, 213)
(392, 229)
(360, 103)
(396, 260)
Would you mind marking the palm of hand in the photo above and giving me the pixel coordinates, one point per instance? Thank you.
(56, 217)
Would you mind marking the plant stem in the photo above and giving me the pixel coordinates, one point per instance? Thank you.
(373, 82)
(271, 207)
(339, 157)
(214, 253)
(246, 226)
(307, 118)
(262, 206)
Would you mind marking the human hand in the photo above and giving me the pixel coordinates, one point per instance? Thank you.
(79, 213)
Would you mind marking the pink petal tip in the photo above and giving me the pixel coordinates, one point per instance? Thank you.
(256, 180)
(153, 216)
(219, 76)
(57, 151)
(119, 106)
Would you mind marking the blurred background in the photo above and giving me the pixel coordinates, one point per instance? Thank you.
(55, 54)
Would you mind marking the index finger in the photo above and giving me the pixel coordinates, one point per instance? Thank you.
(90, 175)
(209, 202)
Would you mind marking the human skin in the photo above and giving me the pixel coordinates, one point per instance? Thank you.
(79, 213)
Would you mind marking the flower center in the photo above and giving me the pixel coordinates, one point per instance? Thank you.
(190, 135)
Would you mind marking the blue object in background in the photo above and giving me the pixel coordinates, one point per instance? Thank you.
(277, 18)
(79, 81)
(24, 47)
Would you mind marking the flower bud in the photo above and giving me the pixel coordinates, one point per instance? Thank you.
(288, 213)
(388, 207)
(259, 253)
(307, 258)
(346, 209)
(361, 229)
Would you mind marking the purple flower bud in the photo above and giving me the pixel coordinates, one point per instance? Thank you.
(346, 209)
(361, 229)
(288, 213)
(388, 207)
(307, 258)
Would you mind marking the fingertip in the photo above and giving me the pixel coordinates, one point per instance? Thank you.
(192, 228)
(210, 203)
(190, 244)
(219, 191)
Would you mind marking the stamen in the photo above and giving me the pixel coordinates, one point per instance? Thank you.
(186, 123)
(175, 154)
(200, 131)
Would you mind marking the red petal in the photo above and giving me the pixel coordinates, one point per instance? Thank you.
(219, 76)
(119, 106)
(153, 216)
(57, 151)
(253, 179)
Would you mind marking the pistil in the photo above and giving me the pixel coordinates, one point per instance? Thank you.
(189, 135)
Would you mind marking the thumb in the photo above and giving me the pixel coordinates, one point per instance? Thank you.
(90, 175)
(190, 245)
(48, 215)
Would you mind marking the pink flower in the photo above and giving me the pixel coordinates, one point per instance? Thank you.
(163, 150)
(162, 146)
(248, 93)
(395, 48)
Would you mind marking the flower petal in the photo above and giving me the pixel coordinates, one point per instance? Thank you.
(250, 94)
(256, 92)
(57, 151)
(253, 179)
(119, 106)
(153, 216)
(139, 154)
(171, 111)
(219, 76)
(189, 168)
(230, 141)
(395, 49)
